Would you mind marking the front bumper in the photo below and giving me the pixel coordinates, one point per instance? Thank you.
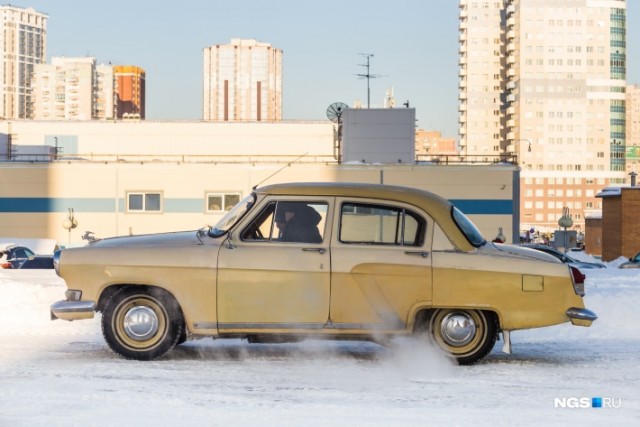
(581, 316)
(73, 310)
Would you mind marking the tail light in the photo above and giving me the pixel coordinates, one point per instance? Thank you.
(6, 265)
(578, 279)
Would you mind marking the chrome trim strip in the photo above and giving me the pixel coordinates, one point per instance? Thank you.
(62, 307)
(222, 326)
(581, 314)
(314, 326)
(205, 325)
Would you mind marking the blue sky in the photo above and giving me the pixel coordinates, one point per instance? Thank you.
(414, 42)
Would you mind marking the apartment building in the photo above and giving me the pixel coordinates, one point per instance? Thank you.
(242, 82)
(130, 91)
(23, 37)
(546, 81)
(63, 90)
(633, 129)
(79, 89)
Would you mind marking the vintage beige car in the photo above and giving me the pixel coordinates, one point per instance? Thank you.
(331, 261)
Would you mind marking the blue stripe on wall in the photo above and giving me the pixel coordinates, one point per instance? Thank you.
(47, 204)
(484, 207)
(104, 205)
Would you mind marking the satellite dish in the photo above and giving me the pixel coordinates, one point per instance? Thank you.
(335, 110)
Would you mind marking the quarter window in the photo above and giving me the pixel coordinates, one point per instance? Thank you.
(380, 225)
(144, 202)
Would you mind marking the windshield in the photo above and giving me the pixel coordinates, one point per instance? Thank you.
(231, 217)
(468, 228)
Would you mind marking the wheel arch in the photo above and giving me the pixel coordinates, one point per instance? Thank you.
(112, 289)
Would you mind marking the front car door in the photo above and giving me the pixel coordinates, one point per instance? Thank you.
(274, 272)
(381, 265)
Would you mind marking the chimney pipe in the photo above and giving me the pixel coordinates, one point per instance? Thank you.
(633, 178)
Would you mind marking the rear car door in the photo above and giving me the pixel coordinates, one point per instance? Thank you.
(381, 265)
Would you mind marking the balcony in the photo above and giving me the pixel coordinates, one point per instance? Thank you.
(511, 47)
(511, 85)
(511, 34)
(511, 98)
(511, 72)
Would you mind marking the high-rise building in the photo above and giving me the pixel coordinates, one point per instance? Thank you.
(633, 129)
(104, 99)
(242, 82)
(546, 81)
(130, 91)
(23, 36)
(72, 89)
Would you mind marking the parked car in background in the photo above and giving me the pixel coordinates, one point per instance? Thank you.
(564, 258)
(322, 260)
(38, 262)
(13, 256)
(632, 263)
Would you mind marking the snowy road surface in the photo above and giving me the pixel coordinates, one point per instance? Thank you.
(62, 374)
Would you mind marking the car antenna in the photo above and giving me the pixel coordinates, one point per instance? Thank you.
(278, 171)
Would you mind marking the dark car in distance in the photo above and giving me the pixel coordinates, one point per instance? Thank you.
(564, 258)
(38, 262)
(632, 263)
(13, 256)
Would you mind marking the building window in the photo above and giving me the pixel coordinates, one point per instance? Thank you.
(144, 202)
(217, 202)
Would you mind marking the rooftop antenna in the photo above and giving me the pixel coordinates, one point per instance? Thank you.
(368, 75)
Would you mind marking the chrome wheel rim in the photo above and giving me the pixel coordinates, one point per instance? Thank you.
(457, 329)
(140, 323)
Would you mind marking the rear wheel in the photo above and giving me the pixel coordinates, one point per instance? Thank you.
(468, 335)
(142, 323)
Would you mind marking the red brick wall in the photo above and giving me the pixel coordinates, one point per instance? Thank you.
(593, 236)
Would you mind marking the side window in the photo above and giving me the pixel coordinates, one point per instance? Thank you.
(380, 225)
(287, 221)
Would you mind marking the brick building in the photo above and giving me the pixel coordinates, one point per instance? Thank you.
(620, 224)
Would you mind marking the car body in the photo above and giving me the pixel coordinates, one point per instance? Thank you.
(564, 257)
(13, 256)
(632, 263)
(389, 261)
(38, 262)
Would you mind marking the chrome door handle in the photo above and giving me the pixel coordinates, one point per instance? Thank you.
(423, 254)
(321, 250)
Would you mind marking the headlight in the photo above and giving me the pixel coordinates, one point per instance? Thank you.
(56, 262)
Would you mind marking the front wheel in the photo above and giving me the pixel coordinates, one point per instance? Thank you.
(142, 323)
(468, 335)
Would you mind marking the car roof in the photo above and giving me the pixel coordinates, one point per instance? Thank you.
(436, 206)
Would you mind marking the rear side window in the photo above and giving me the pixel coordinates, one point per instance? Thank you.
(380, 225)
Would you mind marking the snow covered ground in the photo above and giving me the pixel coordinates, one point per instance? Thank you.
(62, 374)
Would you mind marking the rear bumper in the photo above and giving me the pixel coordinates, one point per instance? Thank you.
(73, 310)
(581, 316)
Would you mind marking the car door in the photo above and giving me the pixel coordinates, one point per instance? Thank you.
(269, 280)
(381, 265)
